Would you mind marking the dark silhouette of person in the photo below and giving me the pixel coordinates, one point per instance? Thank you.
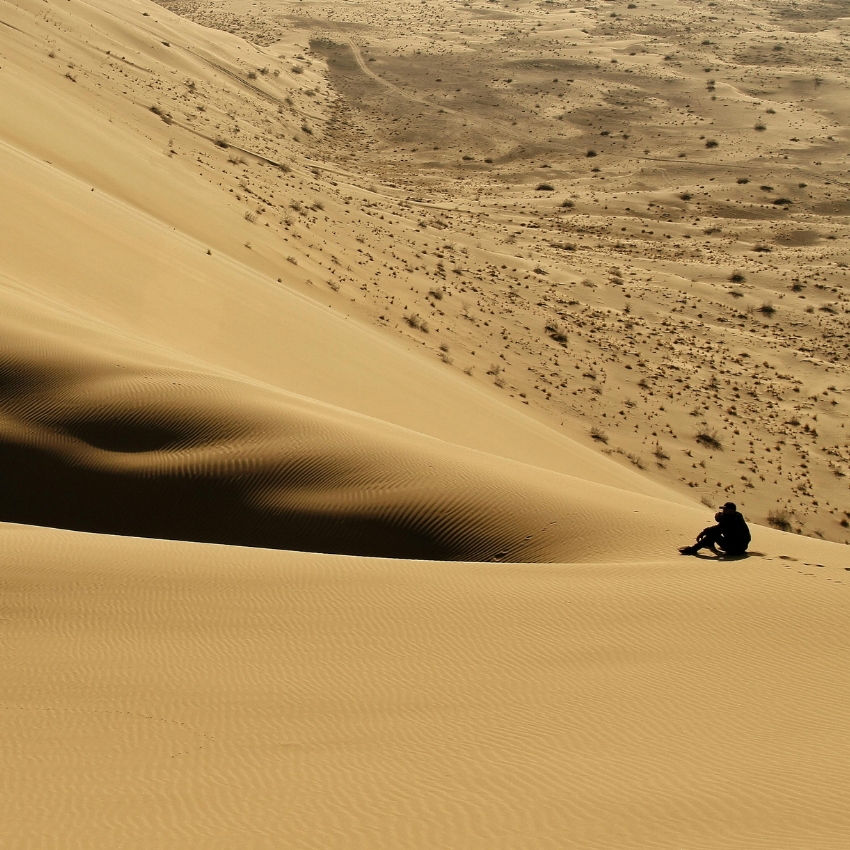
(731, 534)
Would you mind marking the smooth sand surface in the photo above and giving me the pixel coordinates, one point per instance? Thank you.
(363, 367)
(172, 694)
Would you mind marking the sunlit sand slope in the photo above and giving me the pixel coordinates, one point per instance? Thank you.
(171, 695)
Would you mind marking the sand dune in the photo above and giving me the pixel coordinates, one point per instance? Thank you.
(362, 368)
(158, 694)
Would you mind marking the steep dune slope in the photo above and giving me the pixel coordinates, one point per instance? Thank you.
(148, 379)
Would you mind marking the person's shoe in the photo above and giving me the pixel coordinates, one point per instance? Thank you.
(689, 550)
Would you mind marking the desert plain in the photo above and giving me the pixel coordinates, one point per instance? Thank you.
(364, 365)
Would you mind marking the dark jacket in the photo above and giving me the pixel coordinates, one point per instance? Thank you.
(734, 529)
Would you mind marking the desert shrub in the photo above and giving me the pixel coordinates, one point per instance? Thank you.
(742, 181)
(250, 217)
(685, 196)
(590, 153)
(782, 202)
(221, 143)
(712, 143)
(762, 249)
(437, 292)
(636, 460)
(737, 277)
(417, 322)
(252, 75)
(557, 332)
(779, 518)
(759, 127)
(708, 437)
(568, 204)
(599, 435)
(767, 308)
(545, 187)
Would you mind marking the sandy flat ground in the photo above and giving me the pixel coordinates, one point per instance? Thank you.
(163, 694)
(363, 366)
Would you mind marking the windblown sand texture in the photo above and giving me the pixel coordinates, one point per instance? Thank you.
(363, 365)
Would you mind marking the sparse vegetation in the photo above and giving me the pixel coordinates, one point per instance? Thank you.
(545, 187)
(737, 277)
(557, 332)
(779, 518)
(708, 437)
(599, 435)
(417, 322)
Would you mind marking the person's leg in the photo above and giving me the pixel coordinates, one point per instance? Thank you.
(707, 539)
(730, 548)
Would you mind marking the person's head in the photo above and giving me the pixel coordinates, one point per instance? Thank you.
(729, 508)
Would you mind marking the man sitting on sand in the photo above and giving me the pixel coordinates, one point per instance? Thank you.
(731, 534)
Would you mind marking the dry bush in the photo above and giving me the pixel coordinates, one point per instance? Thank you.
(557, 332)
(779, 518)
(417, 322)
(708, 437)
(599, 435)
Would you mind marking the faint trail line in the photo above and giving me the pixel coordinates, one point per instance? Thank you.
(358, 57)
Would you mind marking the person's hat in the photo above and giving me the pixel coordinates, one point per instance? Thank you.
(731, 505)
